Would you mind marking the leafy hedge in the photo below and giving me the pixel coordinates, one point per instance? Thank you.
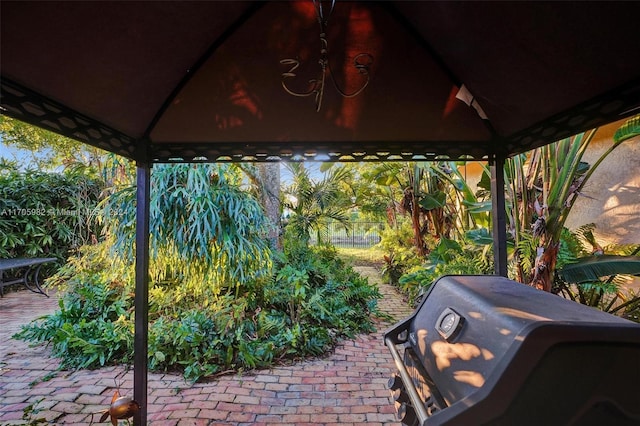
(45, 214)
(310, 301)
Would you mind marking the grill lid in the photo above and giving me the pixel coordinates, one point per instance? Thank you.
(500, 351)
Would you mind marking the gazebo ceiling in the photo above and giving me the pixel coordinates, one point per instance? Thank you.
(182, 81)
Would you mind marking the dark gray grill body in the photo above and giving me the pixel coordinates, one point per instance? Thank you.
(488, 350)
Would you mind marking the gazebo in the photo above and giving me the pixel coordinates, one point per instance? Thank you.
(256, 81)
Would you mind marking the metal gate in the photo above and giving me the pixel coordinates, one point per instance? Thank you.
(355, 234)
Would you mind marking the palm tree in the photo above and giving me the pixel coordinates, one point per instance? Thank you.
(312, 203)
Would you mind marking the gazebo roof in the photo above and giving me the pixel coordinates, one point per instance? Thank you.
(214, 81)
(183, 81)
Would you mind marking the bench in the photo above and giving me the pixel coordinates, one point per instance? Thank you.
(28, 268)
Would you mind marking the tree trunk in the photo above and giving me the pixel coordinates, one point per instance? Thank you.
(270, 198)
(418, 239)
(545, 267)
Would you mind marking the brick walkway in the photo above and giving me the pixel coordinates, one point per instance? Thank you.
(345, 388)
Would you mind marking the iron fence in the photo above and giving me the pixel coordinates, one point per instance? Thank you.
(355, 234)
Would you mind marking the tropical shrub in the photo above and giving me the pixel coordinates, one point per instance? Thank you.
(448, 258)
(426, 203)
(597, 276)
(311, 204)
(207, 234)
(309, 301)
(94, 325)
(397, 242)
(213, 306)
(541, 188)
(46, 214)
(541, 191)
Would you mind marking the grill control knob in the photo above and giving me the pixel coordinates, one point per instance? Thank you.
(395, 382)
(399, 395)
(407, 415)
(449, 324)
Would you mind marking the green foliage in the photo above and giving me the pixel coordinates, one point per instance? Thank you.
(46, 214)
(630, 129)
(294, 306)
(592, 268)
(94, 326)
(470, 211)
(448, 258)
(313, 285)
(308, 302)
(205, 231)
(398, 238)
(541, 189)
(312, 204)
(370, 199)
(47, 150)
(597, 276)
(434, 199)
(402, 255)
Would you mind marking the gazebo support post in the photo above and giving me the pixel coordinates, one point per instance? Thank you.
(141, 303)
(499, 214)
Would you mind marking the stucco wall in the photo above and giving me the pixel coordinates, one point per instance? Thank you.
(612, 195)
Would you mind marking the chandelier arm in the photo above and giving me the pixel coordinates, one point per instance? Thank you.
(301, 94)
(361, 62)
(291, 74)
(320, 92)
(363, 68)
(320, 11)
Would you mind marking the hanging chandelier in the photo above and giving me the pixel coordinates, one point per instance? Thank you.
(361, 62)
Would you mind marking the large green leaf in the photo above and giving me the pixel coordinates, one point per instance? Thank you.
(592, 268)
(628, 130)
(480, 236)
(433, 201)
(478, 207)
(446, 250)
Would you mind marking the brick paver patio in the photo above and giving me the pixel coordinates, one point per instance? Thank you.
(348, 387)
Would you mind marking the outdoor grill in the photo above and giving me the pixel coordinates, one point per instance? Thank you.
(487, 350)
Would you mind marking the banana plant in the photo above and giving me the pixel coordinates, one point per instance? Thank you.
(435, 196)
(541, 189)
(554, 178)
(472, 213)
(630, 129)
